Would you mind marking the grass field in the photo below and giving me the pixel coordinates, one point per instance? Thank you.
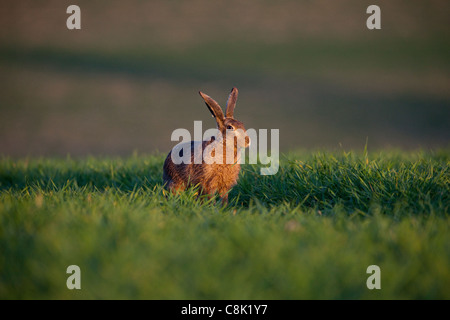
(310, 231)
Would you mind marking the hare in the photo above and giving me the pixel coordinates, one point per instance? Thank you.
(213, 174)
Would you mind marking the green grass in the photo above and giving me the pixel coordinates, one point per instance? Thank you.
(310, 231)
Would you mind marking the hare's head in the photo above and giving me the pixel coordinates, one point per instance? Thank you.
(229, 127)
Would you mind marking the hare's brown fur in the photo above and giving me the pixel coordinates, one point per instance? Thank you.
(211, 178)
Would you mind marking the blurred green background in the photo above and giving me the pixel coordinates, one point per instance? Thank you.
(312, 69)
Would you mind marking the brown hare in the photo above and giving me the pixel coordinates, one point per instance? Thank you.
(218, 169)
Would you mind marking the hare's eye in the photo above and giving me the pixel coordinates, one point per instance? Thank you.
(230, 128)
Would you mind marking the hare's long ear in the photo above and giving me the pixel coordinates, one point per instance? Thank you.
(215, 109)
(231, 102)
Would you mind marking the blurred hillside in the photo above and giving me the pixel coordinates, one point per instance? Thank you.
(312, 69)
